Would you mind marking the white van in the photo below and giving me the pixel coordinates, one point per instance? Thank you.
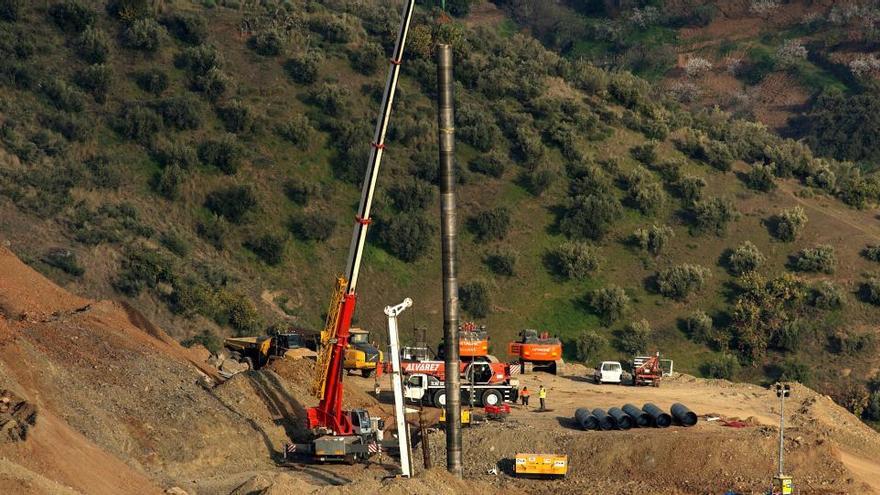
(608, 372)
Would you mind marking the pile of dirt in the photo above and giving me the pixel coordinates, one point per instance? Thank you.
(16, 417)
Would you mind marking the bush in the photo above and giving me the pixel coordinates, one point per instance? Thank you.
(329, 97)
(313, 226)
(105, 172)
(188, 27)
(214, 230)
(653, 239)
(178, 153)
(647, 196)
(95, 79)
(610, 303)
(167, 182)
(152, 81)
(723, 367)
(138, 123)
(792, 370)
(143, 268)
(698, 326)
(589, 345)
(699, 146)
(818, 259)
(10, 10)
(92, 45)
(231, 202)
(407, 236)
(298, 191)
(713, 215)
(212, 84)
(537, 181)
(144, 35)
(268, 247)
(680, 282)
(198, 60)
(180, 112)
(590, 216)
(827, 295)
(478, 128)
(690, 189)
(223, 153)
(760, 177)
(71, 16)
(574, 260)
(411, 195)
(492, 164)
(634, 338)
(852, 344)
(333, 28)
(297, 130)
(788, 225)
(645, 153)
(745, 258)
(367, 58)
(490, 224)
(502, 263)
(175, 243)
(872, 252)
(63, 96)
(236, 116)
(241, 314)
(474, 298)
(65, 260)
(207, 339)
(129, 10)
(303, 67)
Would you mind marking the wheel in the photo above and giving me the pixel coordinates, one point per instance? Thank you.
(559, 367)
(249, 362)
(440, 398)
(491, 397)
(235, 356)
(366, 372)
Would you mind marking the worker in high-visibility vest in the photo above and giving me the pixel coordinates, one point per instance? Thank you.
(524, 396)
(542, 395)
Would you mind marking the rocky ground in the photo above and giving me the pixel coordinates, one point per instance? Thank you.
(112, 405)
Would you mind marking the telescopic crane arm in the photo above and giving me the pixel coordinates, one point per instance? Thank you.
(328, 415)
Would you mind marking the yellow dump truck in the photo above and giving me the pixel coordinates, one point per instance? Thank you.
(550, 465)
(361, 354)
(257, 351)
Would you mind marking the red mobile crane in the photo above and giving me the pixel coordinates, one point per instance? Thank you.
(339, 434)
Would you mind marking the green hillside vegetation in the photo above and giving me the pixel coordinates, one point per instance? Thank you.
(203, 163)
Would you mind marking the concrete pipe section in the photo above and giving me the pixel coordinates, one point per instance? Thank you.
(640, 418)
(659, 418)
(606, 422)
(683, 415)
(623, 420)
(586, 419)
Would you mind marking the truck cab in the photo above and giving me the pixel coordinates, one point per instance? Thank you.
(608, 372)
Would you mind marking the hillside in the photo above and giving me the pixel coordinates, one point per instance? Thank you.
(201, 163)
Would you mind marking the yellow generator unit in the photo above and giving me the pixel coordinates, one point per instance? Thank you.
(465, 416)
(541, 464)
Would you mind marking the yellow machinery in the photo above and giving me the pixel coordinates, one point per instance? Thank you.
(541, 464)
(782, 485)
(362, 355)
(257, 351)
(465, 416)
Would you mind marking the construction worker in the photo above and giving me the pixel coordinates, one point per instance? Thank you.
(524, 396)
(542, 395)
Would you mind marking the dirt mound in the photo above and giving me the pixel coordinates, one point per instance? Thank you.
(16, 417)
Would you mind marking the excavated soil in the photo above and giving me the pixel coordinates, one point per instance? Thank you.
(123, 409)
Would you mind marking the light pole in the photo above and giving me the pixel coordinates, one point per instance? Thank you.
(781, 483)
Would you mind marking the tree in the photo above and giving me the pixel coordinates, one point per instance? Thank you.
(633, 339)
(723, 367)
(590, 216)
(788, 224)
(269, 247)
(818, 259)
(490, 224)
(313, 226)
(690, 189)
(589, 344)
(406, 235)
(827, 295)
(763, 309)
(680, 282)
(502, 263)
(610, 303)
(713, 215)
(698, 326)
(745, 258)
(574, 260)
(653, 239)
(474, 297)
(760, 177)
(411, 195)
(232, 202)
(303, 67)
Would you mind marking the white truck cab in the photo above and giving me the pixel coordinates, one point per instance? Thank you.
(608, 372)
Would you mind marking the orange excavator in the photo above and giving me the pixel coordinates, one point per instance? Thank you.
(537, 351)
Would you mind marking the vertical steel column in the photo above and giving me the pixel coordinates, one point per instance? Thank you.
(445, 120)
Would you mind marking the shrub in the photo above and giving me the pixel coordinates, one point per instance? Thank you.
(477, 128)
(268, 247)
(713, 215)
(537, 181)
(407, 236)
(653, 239)
(788, 224)
(128, 10)
(105, 172)
(690, 189)
(268, 43)
(180, 112)
(63, 96)
(872, 411)
(65, 260)
(143, 268)
(792, 370)
(223, 153)
(634, 338)
(490, 224)
(236, 116)
(827, 295)
(745, 258)
(198, 60)
(610, 303)
(645, 153)
(411, 195)
(178, 153)
(492, 164)
(71, 16)
(212, 84)
(763, 309)
(589, 344)
(818, 259)
(367, 58)
(298, 191)
(188, 27)
(138, 123)
(167, 182)
(207, 339)
(852, 344)
(10, 10)
(214, 230)
(175, 243)
(144, 35)
(723, 367)
(231, 202)
(527, 145)
(152, 81)
(92, 45)
(698, 326)
(303, 67)
(297, 130)
(333, 28)
(647, 196)
(313, 226)
(574, 260)
(474, 298)
(502, 263)
(680, 282)
(590, 216)
(329, 97)
(95, 79)
(872, 252)
(241, 314)
(760, 177)
(699, 146)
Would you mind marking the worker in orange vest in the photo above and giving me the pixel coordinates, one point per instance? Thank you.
(524, 396)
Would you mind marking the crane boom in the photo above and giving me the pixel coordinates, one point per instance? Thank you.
(328, 416)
